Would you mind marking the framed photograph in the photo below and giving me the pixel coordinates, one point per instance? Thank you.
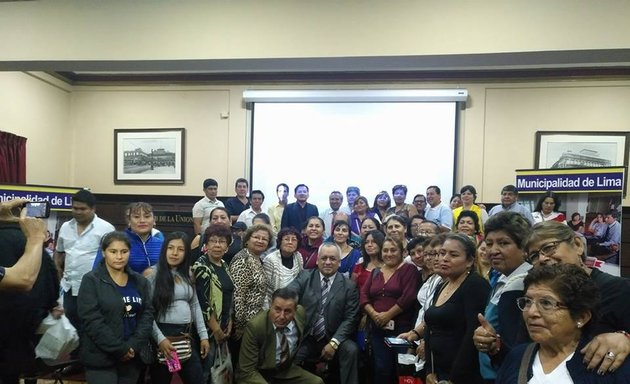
(559, 149)
(149, 156)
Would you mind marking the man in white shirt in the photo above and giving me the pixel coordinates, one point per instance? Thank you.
(436, 210)
(335, 199)
(77, 243)
(201, 210)
(256, 199)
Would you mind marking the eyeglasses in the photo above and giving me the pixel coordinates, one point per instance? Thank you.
(260, 238)
(217, 241)
(426, 233)
(546, 250)
(544, 304)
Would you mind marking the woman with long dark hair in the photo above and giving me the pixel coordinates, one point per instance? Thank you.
(176, 309)
(547, 209)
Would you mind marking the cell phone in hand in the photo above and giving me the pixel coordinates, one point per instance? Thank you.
(173, 363)
(39, 209)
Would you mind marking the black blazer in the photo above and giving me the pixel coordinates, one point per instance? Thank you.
(296, 216)
(341, 311)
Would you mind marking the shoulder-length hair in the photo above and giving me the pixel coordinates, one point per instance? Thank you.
(164, 283)
(556, 201)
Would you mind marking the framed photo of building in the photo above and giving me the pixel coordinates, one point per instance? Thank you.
(562, 149)
(149, 156)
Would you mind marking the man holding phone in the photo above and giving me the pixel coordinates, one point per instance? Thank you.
(28, 291)
(21, 276)
(77, 243)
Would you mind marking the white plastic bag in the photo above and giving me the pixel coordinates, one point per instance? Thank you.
(58, 340)
(221, 371)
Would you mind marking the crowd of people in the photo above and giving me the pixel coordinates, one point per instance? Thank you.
(301, 296)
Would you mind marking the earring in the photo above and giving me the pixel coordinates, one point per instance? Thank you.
(579, 324)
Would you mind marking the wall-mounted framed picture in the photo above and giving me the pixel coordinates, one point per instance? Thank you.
(149, 156)
(563, 149)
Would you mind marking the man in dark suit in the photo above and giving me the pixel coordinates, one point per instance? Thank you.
(270, 342)
(296, 214)
(332, 309)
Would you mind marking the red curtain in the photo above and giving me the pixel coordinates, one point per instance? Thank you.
(12, 158)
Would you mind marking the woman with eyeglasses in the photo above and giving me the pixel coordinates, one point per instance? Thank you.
(431, 248)
(400, 208)
(248, 274)
(452, 318)
(501, 326)
(414, 225)
(555, 243)
(218, 215)
(215, 289)
(285, 263)
(559, 309)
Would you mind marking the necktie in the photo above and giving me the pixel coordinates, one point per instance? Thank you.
(284, 346)
(319, 330)
(334, 216)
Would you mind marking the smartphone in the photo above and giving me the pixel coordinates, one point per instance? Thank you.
(173, 363)
(40, 209)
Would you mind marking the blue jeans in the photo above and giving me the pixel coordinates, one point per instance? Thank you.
(191, 372)
(384, 358)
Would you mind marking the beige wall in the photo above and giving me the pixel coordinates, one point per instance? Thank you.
(187, 29)
(497, 128)
(40, 111)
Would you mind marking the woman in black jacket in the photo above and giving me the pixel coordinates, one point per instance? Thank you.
(117, 315)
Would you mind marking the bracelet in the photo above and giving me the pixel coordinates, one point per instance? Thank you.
(626, 334)
(416, 332)
(498, 349)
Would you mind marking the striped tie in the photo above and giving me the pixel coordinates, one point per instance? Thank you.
(319, 330)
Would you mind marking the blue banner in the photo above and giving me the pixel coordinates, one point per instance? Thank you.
(60, 198)
(570, 180)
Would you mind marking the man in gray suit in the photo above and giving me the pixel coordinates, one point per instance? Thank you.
(332, 309)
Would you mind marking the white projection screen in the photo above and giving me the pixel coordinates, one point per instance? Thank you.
(330, 143)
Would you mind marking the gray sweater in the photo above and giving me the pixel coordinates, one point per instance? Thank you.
(184, 309)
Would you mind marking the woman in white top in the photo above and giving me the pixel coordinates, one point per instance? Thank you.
(283, 265)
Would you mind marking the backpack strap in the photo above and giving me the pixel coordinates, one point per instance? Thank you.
(527, 357)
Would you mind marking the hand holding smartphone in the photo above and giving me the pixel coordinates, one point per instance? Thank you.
(173, 363)
(39, 209)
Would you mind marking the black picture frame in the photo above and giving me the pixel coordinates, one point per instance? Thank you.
(581, 149)
(149, 156)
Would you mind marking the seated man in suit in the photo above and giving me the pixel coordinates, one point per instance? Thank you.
(270, 343)
(332, 309)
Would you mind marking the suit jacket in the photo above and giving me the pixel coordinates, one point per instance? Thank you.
(291, 216)
(258, 347)
(341, 310)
